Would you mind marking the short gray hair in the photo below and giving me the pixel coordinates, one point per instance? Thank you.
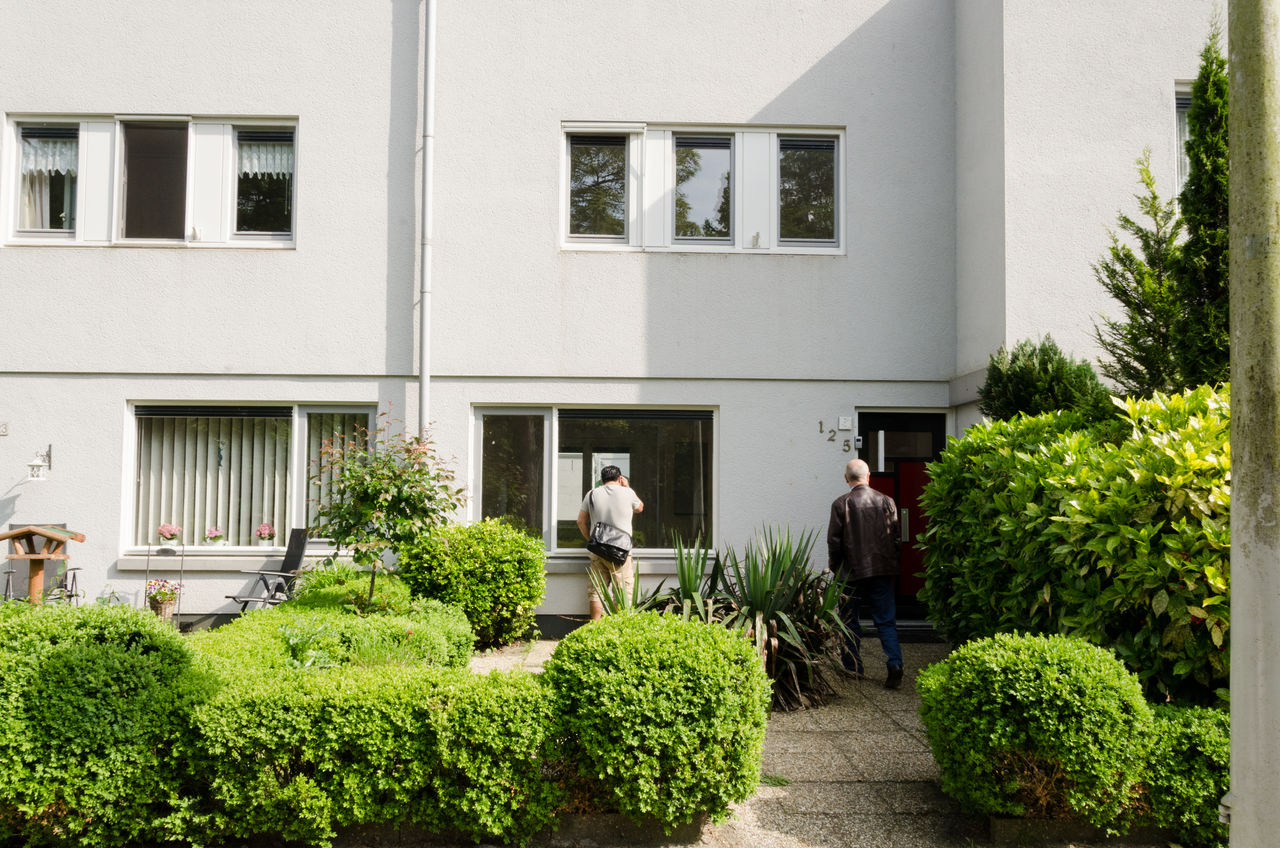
(857, 469)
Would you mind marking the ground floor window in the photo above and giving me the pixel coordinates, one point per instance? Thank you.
(537, 465)
(229, 470)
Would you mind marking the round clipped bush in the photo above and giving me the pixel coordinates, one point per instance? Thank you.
(494, 573)
(664, 717)
(1037, 726)
(97, 703)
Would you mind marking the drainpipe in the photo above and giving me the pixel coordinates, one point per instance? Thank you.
(428, 164)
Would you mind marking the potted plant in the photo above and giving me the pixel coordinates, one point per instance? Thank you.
(214, 535)
(170, 535)
(266, 533)
(162, 597)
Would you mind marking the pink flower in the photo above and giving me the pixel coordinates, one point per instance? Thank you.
(169, 532)
(215, 533)
(265, 531)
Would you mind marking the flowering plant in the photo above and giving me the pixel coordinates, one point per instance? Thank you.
(265, 531)
(214, 533)
(162, 590)
(169, 532)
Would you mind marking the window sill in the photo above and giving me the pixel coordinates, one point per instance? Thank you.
(147, 244)
(199, 558)
(788, 250)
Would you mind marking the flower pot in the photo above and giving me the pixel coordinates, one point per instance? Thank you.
(163, 609)
(268, 543)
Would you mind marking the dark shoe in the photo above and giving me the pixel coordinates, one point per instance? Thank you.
(894, 680)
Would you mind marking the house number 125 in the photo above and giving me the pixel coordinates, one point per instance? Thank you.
(845, 445)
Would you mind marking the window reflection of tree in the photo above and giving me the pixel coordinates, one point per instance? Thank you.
(598, 188)
(512, 471)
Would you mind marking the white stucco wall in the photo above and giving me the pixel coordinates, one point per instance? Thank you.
(881, 70)
(1086, 89)
(341, 302)
(986, 148)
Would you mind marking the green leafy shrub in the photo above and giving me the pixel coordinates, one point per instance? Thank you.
(490, 570)
(1048, 525)
(95, 705)
(340, 586)
(1037, 377)
(268, 640)
(381, 489)
(299, 754)
(664, 717)
(1189, 772)
(1040, 726)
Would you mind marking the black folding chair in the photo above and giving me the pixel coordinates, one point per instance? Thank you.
(273, 587)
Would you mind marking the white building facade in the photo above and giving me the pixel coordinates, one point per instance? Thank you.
(727, 245)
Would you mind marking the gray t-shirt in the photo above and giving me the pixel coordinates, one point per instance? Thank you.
(614, 504)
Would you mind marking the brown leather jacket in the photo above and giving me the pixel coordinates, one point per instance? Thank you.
(863, 536)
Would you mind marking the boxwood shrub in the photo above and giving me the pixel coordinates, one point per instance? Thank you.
(299, 754)
(494, 573)
(663, 717)
(1118, 533)
(1189, 772)
(1041, 726)
(296, 637)
(94, 722)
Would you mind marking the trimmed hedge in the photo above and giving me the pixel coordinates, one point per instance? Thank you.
(490, 570)
(305, 753)
(264, 641)
(664, 717)
(1040, 726)
(95, 705)
(1118, 533)
(115, 730)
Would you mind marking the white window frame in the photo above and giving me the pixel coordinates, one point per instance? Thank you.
(1181, 164)
(550, 455)
(754, 171)
(298, 470)
(13, 141)
(209, 217)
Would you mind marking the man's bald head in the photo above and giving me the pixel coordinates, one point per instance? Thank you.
(857, 471)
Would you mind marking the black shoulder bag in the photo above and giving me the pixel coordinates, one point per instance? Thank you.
(608, 542)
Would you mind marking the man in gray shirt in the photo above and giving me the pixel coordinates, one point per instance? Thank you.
(613, 502)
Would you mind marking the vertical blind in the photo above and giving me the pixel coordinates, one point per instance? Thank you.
(337, 429)
(229, 471)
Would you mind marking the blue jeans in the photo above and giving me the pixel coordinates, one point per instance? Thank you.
(878, 593)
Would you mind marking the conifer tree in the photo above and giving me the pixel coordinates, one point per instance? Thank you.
(1202, 338)
(1142, 358)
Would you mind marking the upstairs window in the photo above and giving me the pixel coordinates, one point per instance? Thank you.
(704, 188)
(807, 189)
(709, 189)
(155, 181)
(598, 186)
(264, 182)
(1182, 108)
(47, 190)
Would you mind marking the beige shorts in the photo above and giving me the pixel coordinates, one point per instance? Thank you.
(623, 575)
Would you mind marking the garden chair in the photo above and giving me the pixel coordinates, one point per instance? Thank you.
(274, 587)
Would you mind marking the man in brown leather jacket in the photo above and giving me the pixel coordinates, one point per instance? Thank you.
(862, 546)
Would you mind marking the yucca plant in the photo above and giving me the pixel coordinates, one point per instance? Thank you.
(694, 594)
(792, 614)
(614, 599)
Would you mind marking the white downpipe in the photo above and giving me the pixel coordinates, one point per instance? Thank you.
(428, 164)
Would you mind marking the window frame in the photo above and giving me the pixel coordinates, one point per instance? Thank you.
(755, 190)
(731, 238)
(550, 455)
(233, 185)
(298, 469)
(837, 198)
(34, 234)
(122, 177)
(632, 135)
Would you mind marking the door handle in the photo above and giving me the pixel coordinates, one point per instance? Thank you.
(904, 516)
